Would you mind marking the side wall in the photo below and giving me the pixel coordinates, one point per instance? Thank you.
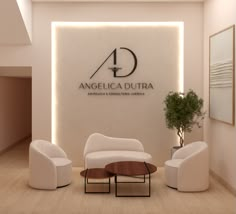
(15, 110)
(221, 137)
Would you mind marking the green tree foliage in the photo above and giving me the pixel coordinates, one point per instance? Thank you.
(182, 112)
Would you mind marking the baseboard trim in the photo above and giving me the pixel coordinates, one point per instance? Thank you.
(15, 143)
(223, 182)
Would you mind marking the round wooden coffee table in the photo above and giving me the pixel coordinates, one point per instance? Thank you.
(132, 169)
(96, 173)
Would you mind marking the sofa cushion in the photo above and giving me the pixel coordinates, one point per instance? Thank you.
(100, 159)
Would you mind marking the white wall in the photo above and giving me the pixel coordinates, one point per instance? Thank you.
(13, 28)
(190, 13)
(221, 137)
(15, 55)
(25, 7)
(15, 110)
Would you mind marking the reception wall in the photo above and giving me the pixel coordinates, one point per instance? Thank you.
(143, 123)
(40, 56)
(112, 78)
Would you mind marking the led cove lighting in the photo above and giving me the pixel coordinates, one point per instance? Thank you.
(53, 84)
(116, 24)
(56, 25)
(181, 57)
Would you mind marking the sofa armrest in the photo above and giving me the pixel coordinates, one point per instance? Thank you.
(53, 151)
(182, 153)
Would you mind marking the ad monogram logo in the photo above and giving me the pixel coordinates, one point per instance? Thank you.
(117, 88)
(115, 68)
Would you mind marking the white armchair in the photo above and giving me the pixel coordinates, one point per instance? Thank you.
(49, 167)
(101, 150)
(188, 170)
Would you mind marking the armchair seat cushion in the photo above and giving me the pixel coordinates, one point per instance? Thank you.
(63, 167)
(171, 168)
(60, 162)
(100, 159)
(174, 163)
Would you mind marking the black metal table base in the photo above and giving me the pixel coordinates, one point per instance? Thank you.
(86, 182)
(126, 195)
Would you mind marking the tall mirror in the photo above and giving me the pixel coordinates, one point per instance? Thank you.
(221, 75)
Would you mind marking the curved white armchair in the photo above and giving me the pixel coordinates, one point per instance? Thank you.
(49, 167)
(188, 171)
(101, 150)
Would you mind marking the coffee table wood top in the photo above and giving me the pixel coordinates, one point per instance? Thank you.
(130, 168)
(96, 173)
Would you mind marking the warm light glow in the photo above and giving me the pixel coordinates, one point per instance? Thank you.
(118, 24)
(181, 57)
(53, 85)
(56, 25)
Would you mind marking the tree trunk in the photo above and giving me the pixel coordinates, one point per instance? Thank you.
(181, 137)
(181, 141)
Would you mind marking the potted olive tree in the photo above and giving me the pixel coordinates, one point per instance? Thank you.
(182, 112)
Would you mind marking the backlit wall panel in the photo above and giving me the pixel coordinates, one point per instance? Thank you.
(112, 78)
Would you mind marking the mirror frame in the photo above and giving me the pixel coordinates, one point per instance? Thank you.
(222, 76)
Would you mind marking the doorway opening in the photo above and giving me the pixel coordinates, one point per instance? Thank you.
(15, 105)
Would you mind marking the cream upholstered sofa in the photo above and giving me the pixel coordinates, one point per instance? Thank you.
(101, 150)
(188, 171)
(49, 166)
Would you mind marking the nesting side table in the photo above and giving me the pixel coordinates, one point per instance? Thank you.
(96, 173)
